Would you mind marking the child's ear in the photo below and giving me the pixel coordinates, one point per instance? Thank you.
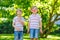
(31, 10)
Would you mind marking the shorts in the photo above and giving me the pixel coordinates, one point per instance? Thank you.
(34, 33)
(18, 35)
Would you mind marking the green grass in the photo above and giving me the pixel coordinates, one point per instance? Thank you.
(26, 37)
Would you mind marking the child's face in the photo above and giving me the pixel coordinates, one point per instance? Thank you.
(34, 10)
(19, 13)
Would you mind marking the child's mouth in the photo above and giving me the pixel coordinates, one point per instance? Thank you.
(34, 10)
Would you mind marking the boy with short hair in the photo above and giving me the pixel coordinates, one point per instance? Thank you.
(34, 24)
(18, 23)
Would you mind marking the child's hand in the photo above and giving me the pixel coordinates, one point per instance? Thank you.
(28, 31)
(21, 22)
(41, 31)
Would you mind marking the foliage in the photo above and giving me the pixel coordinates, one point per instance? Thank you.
(47, 9)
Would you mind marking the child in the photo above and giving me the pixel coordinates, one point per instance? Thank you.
(18, 23)
(34, 23)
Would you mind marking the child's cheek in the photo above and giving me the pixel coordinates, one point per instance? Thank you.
(34, 10)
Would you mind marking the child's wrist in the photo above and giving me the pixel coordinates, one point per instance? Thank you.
(14, 26)
(28, 28)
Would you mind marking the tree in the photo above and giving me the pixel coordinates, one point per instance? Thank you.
(48, 9)
(49, 20)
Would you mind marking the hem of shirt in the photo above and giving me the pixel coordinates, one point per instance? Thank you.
(34, 28)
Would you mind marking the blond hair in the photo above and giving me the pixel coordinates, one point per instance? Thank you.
(18, 10)
(34, 7)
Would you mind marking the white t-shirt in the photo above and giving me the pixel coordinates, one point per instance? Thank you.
(17, 23)
(34, 21)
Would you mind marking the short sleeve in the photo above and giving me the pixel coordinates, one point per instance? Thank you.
(13, 20)
(40, 18)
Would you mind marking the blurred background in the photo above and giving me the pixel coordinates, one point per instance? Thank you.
(49, 10)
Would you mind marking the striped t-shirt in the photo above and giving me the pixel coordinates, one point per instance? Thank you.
(17, 23)
(34, 21)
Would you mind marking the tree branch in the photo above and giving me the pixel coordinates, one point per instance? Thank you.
(51, 15)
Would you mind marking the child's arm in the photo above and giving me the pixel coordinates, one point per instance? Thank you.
(13, 24)
(28, 27)
(18, 29)
(41, 26)
(22, 22)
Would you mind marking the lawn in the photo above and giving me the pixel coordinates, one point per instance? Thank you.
(26, 37)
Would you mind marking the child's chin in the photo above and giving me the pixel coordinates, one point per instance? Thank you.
(34, 12)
